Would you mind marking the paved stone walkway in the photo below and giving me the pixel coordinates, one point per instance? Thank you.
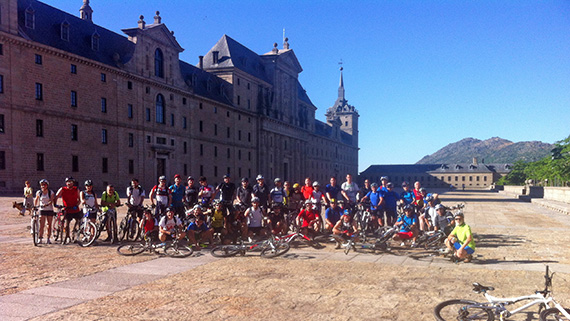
(39, 301)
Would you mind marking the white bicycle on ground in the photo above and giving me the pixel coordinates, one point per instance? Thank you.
(462, 310)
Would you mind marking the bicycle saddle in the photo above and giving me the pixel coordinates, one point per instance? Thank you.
(478, 288)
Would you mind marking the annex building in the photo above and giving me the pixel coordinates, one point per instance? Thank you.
(78, 99)
(468, 175)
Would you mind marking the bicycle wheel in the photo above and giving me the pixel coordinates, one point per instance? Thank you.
(133, 230)
(131, 249)
(461, 310)
(123, 228)
(87, 234)
(275, 250)
(178, 250)
(36, 231)
(225, 251)
(433, 243)
(553, 314)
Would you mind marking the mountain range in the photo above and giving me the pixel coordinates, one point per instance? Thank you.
(492, 150)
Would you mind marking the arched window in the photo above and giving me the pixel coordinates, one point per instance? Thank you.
(158, 63)
(160, 110)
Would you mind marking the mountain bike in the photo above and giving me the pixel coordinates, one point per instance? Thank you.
(35, 226)
(129, 228)
(173, 248)
(548, 309)
(269, 248)
(58, 225)
(86, 234)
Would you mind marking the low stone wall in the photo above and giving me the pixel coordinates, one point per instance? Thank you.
(516, 190)
(559, 194)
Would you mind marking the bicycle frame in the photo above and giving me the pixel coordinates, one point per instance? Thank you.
(498, 304)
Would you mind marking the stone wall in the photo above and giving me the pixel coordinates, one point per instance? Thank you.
(516, 190)
(559, 194)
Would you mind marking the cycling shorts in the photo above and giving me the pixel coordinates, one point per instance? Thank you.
(47, 213)
(255, 230)
(391, 213)
(469, 250)
(405, 235)
(73, 216)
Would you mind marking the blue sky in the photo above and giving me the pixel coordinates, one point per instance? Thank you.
(422, 74)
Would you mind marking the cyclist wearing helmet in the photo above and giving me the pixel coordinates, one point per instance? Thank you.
(135, 198)
(427, 218)
(317, 197)
(70, 197)
(89, 201)
(376, 198)
(254, 215)
(277, 220)
(160, 197)
(363, 191)
(384, 181)
(277, 194)
(409, 226)
(199, 230)
(191, 193)
(167, 225)
(460, 240)
(311, 218)
(296, 198)
(109, 202)
(441, 222)
(345, 228)
(45, 200)
(390, 204)
(332, 215)
(243, 193)
(261, 191)
(228, 193)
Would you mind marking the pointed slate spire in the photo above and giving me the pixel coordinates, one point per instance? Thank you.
(341, 87)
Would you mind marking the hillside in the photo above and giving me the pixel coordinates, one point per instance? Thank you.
(492, 150)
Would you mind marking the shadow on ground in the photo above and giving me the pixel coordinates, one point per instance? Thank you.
(498, 240)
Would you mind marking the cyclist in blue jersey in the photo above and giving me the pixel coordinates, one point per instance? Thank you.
(390, 204)
(332, 190)
(177, 196)
(407, 196)
(376, 198)
(409, 226)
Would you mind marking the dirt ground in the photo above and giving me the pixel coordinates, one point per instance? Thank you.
(510, 236)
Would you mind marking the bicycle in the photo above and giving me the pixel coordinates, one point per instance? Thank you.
(87, 232)
(472, 310)
(129, 227)
(269, 248)
(58, 225)
(35, 226)
(172, 249)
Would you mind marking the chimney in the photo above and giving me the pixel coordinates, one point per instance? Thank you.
(474, 160)
(215, 57)
(141, 22)
(201, 63)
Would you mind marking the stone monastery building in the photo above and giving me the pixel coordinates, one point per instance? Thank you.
(78, 99)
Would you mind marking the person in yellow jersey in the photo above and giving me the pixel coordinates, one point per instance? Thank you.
(460, 241)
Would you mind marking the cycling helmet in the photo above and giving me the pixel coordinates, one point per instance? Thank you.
(197, 207)
(67, 179)
(227, 176)
(422, 189)
(429, 199)
(259, 177)
(277, 180)
(296, 185)
(384, 178)
(390, 185)
(439, 206)
(44, 181)
(315, 183)
(374, 185)
(88, 183)
(404, 184)
(459, 214)
(244, 179)
(408, 207)
(346, 212)
(190, 178)
(170, 209)
(255, 200)
(333, 201)
(162, 178)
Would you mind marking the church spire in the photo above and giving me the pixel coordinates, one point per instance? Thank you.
(341, 87)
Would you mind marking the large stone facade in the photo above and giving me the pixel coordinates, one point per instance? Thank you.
(77, 99)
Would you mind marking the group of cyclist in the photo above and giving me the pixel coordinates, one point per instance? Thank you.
(200, 211)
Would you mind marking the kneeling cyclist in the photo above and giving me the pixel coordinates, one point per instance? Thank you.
(345, 228)
(168, 225)
(149, 226)
(199, 230)
(460, 240)
(409, 226)
(310, 217)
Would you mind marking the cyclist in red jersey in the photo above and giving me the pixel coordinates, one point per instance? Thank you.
(149, 225)
(70, 196)
(307, 189)
(311, 218)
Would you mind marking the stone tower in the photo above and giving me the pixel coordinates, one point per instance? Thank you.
(345, 113)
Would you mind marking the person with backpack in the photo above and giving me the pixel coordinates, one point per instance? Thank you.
(160, 197)
(135, 198)
(70, 197)
(109, 202)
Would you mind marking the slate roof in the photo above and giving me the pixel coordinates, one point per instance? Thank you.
(437, 168)
(199, 78)
(322, 129)
(302, 94)
(47, 31)
(234, 54)
(412, 168)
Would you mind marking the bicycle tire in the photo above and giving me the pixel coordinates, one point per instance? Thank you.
(225, 251)
(434, 243)
(133, 230)
(123, 228)
(131, 249)
(113, 231)
(278, 249)
(178, 250)
(36, 231)
(552, 314)
(87, 234)
(460, 310)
